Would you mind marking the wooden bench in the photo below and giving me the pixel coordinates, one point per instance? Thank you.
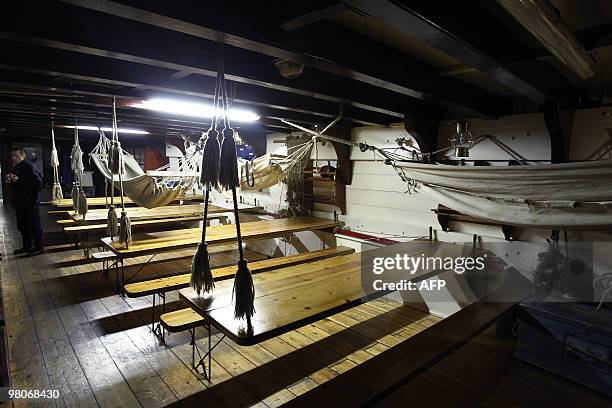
(181, 320)
(108, 260)
(159, 287)
(373, 380)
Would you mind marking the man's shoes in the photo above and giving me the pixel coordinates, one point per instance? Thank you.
(23, 250)
(36, 251)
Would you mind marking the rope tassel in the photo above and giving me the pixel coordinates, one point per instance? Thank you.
(201, 274)
(125, 229)
(228, 171)
(111, 222)
(210, 161)
(244, 292)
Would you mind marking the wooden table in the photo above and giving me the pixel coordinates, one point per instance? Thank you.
(99, 216)
(93, 202)
(164, 241)
(155, 242)
(291, 297)
(288, 298)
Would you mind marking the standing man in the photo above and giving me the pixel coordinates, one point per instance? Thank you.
(26, 182)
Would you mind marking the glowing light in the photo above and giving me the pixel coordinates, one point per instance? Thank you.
(201, 110)
(108, 129)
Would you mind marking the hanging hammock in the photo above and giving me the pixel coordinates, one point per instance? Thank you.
(56, 190)
(266, 171)
(147, 189)
(556, 196)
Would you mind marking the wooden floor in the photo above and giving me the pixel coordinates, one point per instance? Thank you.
(68, 330)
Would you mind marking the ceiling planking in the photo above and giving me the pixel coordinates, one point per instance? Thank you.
(137, 49)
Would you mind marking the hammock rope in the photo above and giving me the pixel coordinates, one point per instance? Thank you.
(56, 190)
(79, 200)
(117, 166)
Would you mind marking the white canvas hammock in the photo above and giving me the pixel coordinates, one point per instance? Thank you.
(556, 196)
(154, 189)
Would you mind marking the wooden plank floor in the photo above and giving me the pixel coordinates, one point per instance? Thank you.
(68, 330)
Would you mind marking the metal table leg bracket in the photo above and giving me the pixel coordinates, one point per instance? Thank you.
(206, 370)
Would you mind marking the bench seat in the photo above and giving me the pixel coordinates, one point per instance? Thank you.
(161, 285)
(180, 320)
(103, 256)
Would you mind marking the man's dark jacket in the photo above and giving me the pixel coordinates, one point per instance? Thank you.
(25, 192)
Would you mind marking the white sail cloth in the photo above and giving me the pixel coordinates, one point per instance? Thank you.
(143, 189)
(560, 196)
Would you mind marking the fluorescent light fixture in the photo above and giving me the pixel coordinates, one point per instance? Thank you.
(108, 129)
(201, 110)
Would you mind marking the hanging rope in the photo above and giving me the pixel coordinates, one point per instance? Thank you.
(228, 169)
(56, 190)
(79, 200)
(211, 150)
(201, 274)
(112, 222)
(244, 290)
(117, 166)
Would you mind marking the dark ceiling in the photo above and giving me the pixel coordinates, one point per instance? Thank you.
(63, 60)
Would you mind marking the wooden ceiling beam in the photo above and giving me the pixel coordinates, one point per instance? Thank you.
(472, 100)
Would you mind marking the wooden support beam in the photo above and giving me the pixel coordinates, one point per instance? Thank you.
(431, 90)
(403, 18)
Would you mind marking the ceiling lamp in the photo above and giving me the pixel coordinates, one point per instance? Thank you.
(543, 22)
(200, 110)
(462, 139)
(289, 69)
(109, 129)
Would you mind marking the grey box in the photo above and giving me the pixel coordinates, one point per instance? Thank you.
(573, 340)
